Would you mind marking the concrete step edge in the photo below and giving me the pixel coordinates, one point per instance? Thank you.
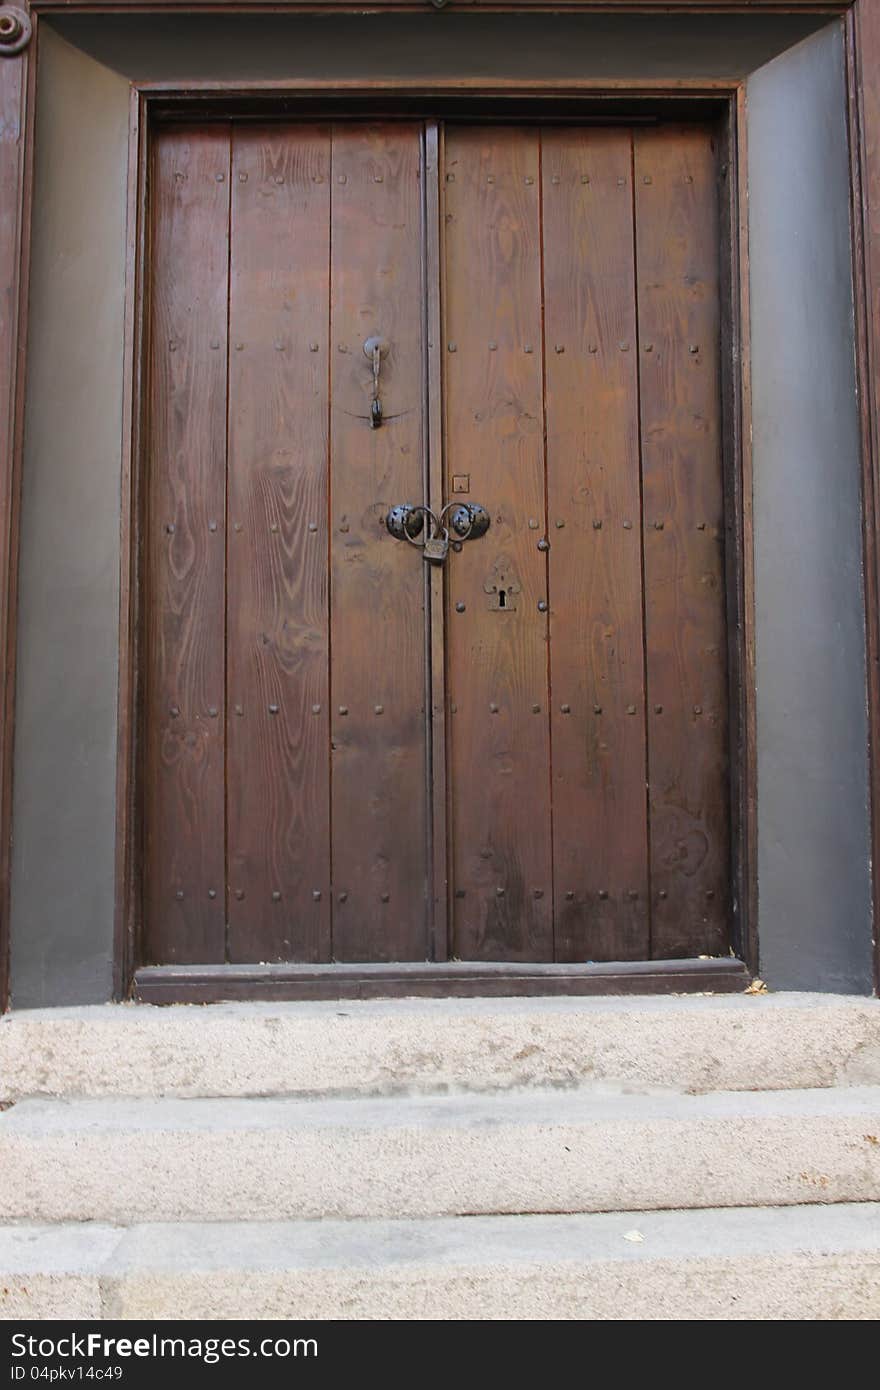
(380, 1047)
(532, 1151)
(796, 1261)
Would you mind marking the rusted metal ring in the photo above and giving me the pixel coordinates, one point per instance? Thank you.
(15, 30)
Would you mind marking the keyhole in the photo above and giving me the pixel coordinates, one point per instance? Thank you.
(502, 598)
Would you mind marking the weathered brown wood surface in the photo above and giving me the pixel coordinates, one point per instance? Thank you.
(277, 637)
(184, 873)
(596, 637)
(497, 647)
(376, 583)
(677, 258)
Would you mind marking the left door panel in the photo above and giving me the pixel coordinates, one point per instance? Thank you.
(284, 736)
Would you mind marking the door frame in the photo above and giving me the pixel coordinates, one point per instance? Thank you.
(527, 102)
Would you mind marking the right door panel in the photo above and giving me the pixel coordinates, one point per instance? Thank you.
(586, 633)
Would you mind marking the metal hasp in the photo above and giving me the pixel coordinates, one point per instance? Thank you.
(15, 30)
(376, 348)
(468, 521)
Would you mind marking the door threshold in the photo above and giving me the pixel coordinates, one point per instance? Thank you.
(211, 984)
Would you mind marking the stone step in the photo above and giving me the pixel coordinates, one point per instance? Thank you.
(727, 1042)
(785, 1262)
(574, 1150)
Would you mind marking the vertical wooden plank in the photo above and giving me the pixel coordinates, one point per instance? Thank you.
(277, 612)
(677, 254)
(600, 853)
(435, 574)
(185, 563)
(16, 144)
(497, 655)
(378, 798)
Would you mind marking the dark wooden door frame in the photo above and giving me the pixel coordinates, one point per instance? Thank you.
(17, 93)
(159, 101)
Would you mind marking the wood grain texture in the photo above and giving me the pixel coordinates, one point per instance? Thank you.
(596, 654)
(497, 656)
(379, 829)
(184, 706)
(16, 115)
(277, 604)
(677, 254)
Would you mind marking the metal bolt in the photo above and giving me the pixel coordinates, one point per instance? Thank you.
(627, 526)
(658, 525)
(242, 178)
(313, 347)
(594, 347)
(701, 525)
(543, 544)
(493, 347)
(533, 523)
(237, 526)
(658, 709)
(597, 709)
(490, 178)
(378, 709)
(215, 343)
(172, 346)
(566, 709)
(647, 179)
(276, 896)
(559, 525)
(378, 178)
(212, 526)
(585, 178)
(343, 709)
(528, 348)
(386, 897)
(273, 709)
(536, 709)
(239, 347)
(459, 892)
(279, 178)
(555, 178)
(694, 348)
(632, 895)
(450, 178)
(529, 179)
(170, 528)
(570, 896)
(485, 854)
(698, 709)
(345, 528)
(460, 607)
(452, 347)
(663, 895)
(313, 525)
(597, 525)
(175, 711)
(279, 346)
(212, 893)
(453, 708)
(212, 710)
(603, 893)
(316, 895)
(560, 347)
(239, 893)
(342, 178)
(179, 895)
(630, 709)
(343, 897)
(316, 709)
(539, 892)
(493, 708)
(624, 347)
(274, 526)
(239, 709)
(710, 893)
(621, 183)
(649, 347)
(542, 605)
(499, 892)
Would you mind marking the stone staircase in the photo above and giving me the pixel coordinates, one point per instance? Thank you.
(678, 1157)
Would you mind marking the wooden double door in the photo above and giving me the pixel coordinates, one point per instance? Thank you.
(350, 753)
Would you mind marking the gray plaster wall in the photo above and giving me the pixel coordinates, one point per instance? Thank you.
(64, 813)
(814, 886)
(814, 908)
